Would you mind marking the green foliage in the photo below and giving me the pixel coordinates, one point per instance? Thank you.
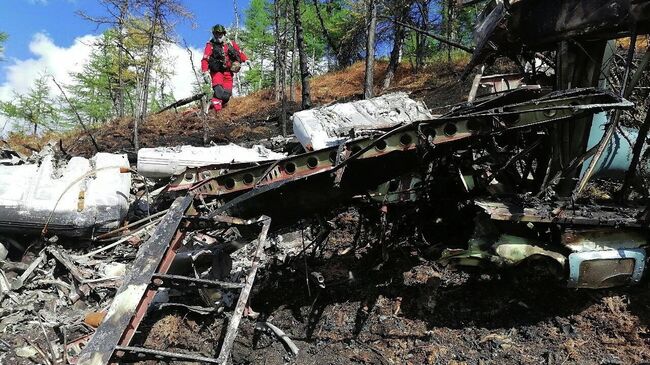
(35, 109)
(344, 21)
(112, 70)
(93, 89)
(258, 34)
(258, 41)
(458, 27)
(93, 92)
(467, 17)
(315, 42)
(431, 48)
(442, 58)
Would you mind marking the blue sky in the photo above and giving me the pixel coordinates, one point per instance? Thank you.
(48, 40)
(23, 19)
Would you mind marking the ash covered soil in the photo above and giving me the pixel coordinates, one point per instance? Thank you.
(394, 306)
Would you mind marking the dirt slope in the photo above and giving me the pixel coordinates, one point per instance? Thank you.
(255, 116)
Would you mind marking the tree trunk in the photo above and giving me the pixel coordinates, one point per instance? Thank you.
(237, 77)
(277, 59)
(259, 85)
(113, 94)
(326, 33)
(368, 85)
(292, 91)
(420, 50)
(396, 52)
(144, 92)
(300, 42)
(124, 7)
(450, 15)
(283, 75)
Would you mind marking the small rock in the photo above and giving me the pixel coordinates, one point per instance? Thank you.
(114, 269)
(26, 351)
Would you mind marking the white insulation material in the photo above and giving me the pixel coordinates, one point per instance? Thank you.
(329, 126)
(169, 161)
(77, 195)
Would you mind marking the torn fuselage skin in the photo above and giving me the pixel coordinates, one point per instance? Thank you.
(484, 149)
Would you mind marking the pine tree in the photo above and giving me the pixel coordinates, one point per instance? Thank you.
(300, 45)
(35, 109)
(368, 85)
(140, 29)
(97, 91)
(258, 42)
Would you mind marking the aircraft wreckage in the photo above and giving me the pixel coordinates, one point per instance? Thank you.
(505, 170)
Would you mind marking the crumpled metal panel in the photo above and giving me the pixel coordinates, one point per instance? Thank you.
(603, 239)
(606, 269)
(540, 24)
(168, 161)
(73, 198)
(330, 126)
(549, 21)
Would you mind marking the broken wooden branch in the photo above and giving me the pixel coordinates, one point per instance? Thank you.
(429, 34)
(83, 125)
(181, 102)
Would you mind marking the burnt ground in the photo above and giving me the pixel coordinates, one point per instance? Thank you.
(400, 307)
(410, 310)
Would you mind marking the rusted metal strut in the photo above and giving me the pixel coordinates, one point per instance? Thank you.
(111, 343)
(136, 294)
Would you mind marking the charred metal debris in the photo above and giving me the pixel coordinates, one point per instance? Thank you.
(504, 174)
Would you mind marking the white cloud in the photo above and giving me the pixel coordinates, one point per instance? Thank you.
(51, 59)
(48, 58)
(183, 77)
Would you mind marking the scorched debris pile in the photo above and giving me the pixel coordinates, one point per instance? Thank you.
(511, 178)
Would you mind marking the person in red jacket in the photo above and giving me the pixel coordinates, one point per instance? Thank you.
(221, 59)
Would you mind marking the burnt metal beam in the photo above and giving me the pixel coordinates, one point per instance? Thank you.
(233, 323)
(179, 281)
(512, 110)
(576, 214)
(135, 295)
(372, 161)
